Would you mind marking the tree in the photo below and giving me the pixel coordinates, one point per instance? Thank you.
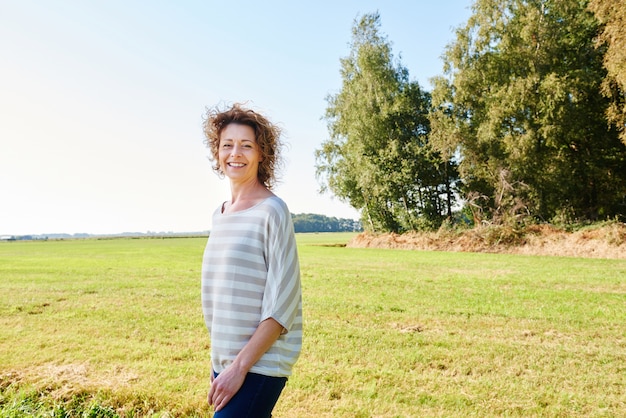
(310, 222)
(612, 14)
(521, 104)
(378, 158)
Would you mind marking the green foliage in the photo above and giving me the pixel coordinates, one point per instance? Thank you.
(310, 222)
(522, 105)
(612, 15)
(378, 157)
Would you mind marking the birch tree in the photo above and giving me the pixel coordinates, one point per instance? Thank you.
(378, 157)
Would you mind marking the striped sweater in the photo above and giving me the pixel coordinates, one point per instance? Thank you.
(250, 272)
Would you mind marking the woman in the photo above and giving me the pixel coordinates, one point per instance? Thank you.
(251, 295)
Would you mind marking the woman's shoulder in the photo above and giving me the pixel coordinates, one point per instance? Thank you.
(275, 204)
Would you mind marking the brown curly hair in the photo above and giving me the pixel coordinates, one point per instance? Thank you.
(267, 135)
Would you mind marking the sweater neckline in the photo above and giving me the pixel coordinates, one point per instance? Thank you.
(243, 210)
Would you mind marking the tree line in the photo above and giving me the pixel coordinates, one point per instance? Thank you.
(310, 222)
(525, 124)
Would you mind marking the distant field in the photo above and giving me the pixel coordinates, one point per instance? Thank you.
(103, 328)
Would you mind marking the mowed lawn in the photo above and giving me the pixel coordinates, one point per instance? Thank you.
(105, 327)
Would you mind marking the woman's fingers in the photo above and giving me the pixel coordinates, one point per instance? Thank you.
(223, 388)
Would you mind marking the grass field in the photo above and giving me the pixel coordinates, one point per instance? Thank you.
(103, 328)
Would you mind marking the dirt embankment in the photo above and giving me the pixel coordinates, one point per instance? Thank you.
(607, 241)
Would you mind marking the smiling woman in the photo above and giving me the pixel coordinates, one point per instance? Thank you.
(251, 296)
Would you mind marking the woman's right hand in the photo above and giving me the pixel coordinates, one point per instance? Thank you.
(225, 386)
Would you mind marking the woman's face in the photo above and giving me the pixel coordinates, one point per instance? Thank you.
(239, 153)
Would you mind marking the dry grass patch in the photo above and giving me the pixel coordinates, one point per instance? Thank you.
(605, 241)
(64, 380)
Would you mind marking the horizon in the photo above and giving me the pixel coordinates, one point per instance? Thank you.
(86, 234)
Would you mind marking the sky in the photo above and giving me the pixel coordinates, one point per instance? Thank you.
(102, 101)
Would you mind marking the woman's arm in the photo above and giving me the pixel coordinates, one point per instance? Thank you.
(226, 385)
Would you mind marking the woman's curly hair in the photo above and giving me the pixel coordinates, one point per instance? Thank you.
(267, 135)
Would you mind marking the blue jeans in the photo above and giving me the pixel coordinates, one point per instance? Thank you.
(255, 399)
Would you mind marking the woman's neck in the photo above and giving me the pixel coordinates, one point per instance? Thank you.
(244, 196)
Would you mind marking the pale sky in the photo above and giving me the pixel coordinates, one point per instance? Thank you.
(101, 102)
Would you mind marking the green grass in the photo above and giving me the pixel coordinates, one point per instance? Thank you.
(98, 328)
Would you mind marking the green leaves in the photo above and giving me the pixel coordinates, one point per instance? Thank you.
(612, 14)
(378, 156)
(523, 98)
